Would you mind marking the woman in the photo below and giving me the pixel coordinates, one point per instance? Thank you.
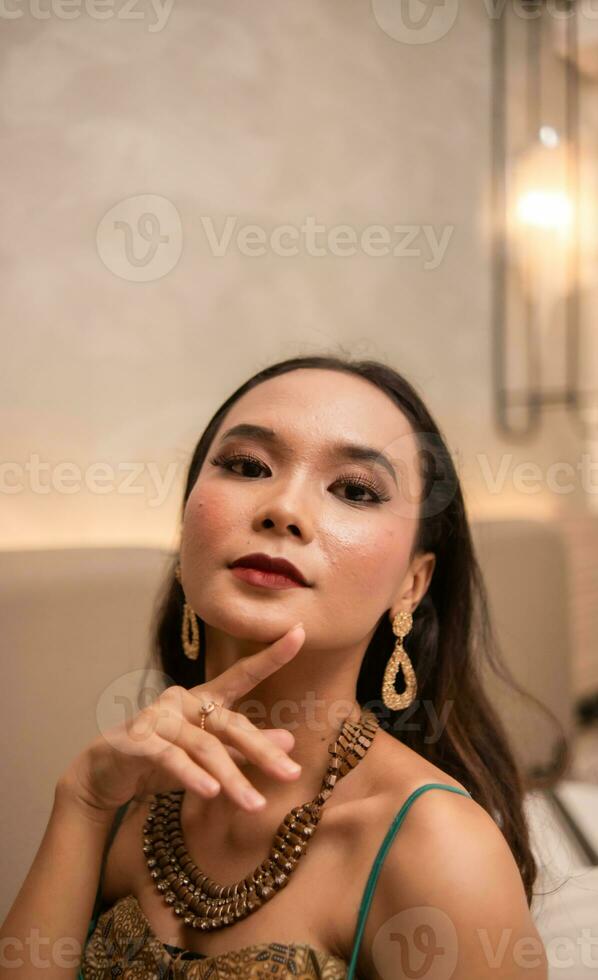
(383, 577)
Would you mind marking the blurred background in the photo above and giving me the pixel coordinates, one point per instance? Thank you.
(194, 189)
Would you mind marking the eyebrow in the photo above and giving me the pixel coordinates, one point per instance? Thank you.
(347, 450)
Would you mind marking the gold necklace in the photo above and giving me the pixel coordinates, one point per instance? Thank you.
(204, 903)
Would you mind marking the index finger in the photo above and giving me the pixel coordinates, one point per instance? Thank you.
(247, 672)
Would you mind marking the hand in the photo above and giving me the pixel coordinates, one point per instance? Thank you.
(163, 745)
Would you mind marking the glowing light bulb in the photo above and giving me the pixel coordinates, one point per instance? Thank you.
(550, 209)
(545, 222)
(548, 136)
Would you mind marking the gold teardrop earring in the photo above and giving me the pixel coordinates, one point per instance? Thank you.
(189, 625)
(401, 625)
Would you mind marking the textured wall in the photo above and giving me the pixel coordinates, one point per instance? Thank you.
(263, 114)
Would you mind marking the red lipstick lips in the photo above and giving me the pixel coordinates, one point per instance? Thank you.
(266, 563)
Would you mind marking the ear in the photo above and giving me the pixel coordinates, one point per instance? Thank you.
(416, 581)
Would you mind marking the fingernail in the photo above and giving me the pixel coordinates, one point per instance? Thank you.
(254, 798)
(296, 626)
(289, 766)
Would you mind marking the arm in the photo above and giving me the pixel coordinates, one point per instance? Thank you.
(46, 927)
(450, 902)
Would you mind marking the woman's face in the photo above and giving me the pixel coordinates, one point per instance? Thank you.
(344, 522)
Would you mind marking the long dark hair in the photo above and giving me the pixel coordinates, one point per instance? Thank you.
(451, 639)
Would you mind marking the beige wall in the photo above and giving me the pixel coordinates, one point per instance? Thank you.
(269, 113)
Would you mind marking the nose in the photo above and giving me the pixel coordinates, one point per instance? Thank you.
(284, 514)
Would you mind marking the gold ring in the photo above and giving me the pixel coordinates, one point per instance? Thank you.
(205, 710)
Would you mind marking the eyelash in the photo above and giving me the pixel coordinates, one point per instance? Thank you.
(347, 478)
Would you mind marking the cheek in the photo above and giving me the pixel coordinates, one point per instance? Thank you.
(369, 560)
(209, 517)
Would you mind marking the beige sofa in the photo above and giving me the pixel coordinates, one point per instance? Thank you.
(75, 626)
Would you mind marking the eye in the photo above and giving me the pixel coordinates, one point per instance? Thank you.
(362, 484)
(346, 479)
(227, 462)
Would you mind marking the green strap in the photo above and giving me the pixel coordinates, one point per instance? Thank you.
(366, 901)
(98, 899)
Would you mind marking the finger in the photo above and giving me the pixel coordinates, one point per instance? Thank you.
(247, 672)
(178, 701)
(170, 767)
(237, 730)
(176, 762)
(209, 753)
(278, 736)
(281, 737)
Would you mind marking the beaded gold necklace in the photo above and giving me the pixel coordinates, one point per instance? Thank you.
(204, 903)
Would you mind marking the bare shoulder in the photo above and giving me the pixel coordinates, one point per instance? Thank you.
(393, 773)
(447, 875)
